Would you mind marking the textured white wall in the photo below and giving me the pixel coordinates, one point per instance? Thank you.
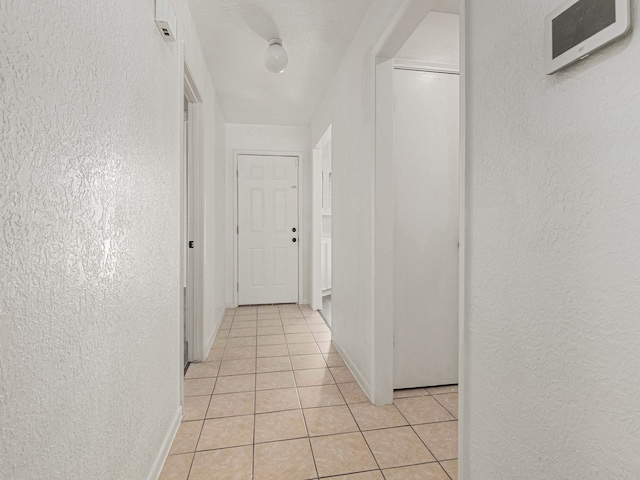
(270, 138)
(349, 106)
(89, 250)
(552, 374)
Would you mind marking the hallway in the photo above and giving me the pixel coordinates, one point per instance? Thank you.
(274, 400)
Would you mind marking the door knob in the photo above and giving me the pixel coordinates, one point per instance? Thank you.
(294, 240)
(293, 229)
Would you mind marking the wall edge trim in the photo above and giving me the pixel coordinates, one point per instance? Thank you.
(158, 463)
(366, 387)
(211, 339)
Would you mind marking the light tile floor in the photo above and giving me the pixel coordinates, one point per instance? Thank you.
(275, 401)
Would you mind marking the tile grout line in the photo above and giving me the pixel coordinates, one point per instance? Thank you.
(255, 407)
(325, 356)
(205, 413)
(353, 418)
(420, 438)
(304, 419)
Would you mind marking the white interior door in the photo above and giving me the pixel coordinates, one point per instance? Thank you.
(268, 231)
(426, 231)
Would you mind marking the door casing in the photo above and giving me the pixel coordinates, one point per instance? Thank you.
(195, 222)
(316, 227)
(301, 217)
(400, 27)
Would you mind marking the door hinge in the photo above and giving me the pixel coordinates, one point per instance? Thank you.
(237, 174)
(237, 229)
(190, 243)
(238, 287)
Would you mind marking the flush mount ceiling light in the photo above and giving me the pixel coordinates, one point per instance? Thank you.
(275, 58)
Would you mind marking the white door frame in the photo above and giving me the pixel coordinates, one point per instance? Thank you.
(462, 266)
(301, 227)
(402, 25)
(195, 327)
(316, 222)
(194, 319)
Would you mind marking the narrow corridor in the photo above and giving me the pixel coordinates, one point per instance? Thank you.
(274, 400)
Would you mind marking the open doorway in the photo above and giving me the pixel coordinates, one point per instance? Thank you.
(418, 200)
(187, 227)
(191, 223)
(322, 180)
(427, 204)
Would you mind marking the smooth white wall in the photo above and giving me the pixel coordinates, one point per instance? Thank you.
(270, 138)
(90, 243)
(436, 39)
(349, 106)
(552, 367)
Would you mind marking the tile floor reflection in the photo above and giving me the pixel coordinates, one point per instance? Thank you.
(275, 401)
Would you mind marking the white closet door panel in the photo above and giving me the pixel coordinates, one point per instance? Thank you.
(426, 231)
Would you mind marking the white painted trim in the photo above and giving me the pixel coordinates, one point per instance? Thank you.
(195, 311)
(183, 246)
(158, 463)
(316, 220)
(301, 225)
(212, 337)
(400, 28)
(421, 66)
(190, 87)
(357, 374)
(463, 466)
(383, 294)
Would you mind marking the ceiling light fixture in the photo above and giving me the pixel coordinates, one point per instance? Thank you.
(275, 58)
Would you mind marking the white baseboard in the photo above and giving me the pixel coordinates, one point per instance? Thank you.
(357, 374)
(158, 463)
(211, 339)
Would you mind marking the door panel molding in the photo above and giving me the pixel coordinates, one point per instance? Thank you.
(301, 217)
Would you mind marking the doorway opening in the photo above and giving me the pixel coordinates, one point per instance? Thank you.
(191, 222)
(186, 234)
(322, 179)
(418, 200)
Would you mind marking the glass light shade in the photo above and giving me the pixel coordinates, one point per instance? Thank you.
(275, 58)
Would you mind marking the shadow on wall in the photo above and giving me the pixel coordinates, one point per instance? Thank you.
(261, 23)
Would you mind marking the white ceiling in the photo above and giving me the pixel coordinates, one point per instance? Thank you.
(234, 35)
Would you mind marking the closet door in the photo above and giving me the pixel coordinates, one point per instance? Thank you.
(426, 231)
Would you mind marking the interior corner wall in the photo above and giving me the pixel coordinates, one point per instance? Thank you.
(90, 243)
(552, 369)
(271, 138)
(349, 106)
